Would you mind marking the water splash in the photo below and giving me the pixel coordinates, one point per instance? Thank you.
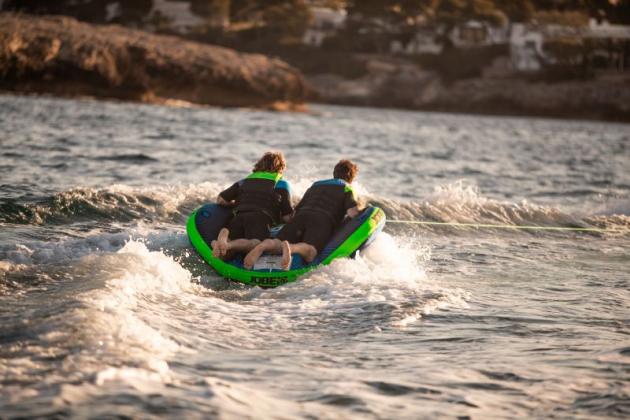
(456, 202)
(461, 202)
(114, 203)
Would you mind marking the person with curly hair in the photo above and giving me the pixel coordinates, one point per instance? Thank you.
(260, 200)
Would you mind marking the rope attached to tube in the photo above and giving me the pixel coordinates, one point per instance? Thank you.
(493, 226)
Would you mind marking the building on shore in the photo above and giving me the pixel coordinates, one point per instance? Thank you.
(426, 40)
(596, 46)
(474, 33)
(324, 23)
(601, 45)
(526, 48)
(431, 39)
(185, 16)
(609, 45)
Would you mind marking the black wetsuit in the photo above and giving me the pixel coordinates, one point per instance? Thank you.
(261, 200)
(320, 211)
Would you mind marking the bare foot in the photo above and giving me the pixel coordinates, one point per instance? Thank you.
(221, 247)
(286, 255)
(310, 254)
(252, 256)
(215, 249)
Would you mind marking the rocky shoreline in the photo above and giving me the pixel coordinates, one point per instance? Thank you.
(391, 83)
(61, 56)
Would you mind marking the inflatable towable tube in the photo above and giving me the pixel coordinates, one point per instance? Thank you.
(355, 234)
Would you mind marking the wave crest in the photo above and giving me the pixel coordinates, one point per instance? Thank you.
(116, 203)
(463, 203)
(458, 202)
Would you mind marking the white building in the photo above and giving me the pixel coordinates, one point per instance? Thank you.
(527, 41)
(324, 23)
(605, 30)
(180, 17)
(465, 35)
(474, 33)
(526, 47)
(613, 42)
(425, 41)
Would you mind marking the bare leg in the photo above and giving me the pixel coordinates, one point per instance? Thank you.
(219, 247)
(268, 245)
(308, 252)
(286, 255)
(242, 245)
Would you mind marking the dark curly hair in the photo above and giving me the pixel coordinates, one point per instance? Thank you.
(271, 162)
(345, 169)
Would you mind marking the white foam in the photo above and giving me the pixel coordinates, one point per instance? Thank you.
(459, 193)
(463, 203)
(170, 197)
(134, 376)
(122, 316)
(146, 276)
(389, 272)
(43, 252)
(239, 401)
(5, 266)
(119, 200)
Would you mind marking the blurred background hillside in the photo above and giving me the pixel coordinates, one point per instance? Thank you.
(547, 57)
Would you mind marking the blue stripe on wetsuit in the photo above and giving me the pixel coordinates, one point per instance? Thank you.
(283, 185)
(332, 181)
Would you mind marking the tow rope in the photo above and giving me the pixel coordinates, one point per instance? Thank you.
(494, 226)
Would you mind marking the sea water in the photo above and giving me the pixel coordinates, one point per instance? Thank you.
(106, 310)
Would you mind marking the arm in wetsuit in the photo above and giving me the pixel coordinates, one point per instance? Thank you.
(283, 189)
(228, 197)
(350, 204)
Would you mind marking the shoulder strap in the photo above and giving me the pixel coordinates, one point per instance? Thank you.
(271, 176)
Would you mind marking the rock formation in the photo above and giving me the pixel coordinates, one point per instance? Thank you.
(62, 56)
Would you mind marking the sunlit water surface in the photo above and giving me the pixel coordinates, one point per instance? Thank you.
(106, 310)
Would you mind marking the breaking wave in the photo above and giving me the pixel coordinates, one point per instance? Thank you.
(463, 203)
(457, 202)
(369, 288)
(116, 203)
(136, 305)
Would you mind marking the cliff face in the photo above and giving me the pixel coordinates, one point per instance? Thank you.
(62, 56)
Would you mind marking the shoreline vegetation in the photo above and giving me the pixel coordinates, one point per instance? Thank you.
(61, 56)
